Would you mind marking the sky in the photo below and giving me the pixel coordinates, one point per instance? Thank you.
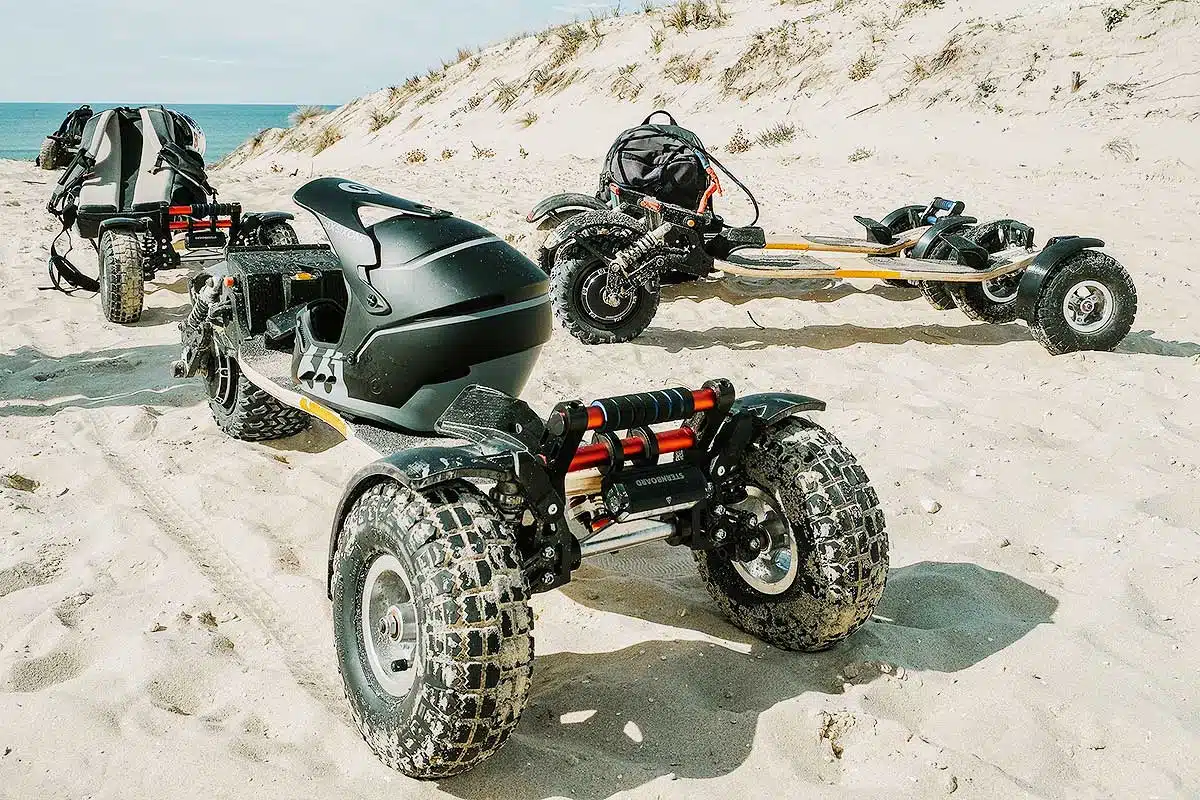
(245, 51)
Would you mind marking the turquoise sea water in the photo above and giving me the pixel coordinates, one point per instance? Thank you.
(24, 125)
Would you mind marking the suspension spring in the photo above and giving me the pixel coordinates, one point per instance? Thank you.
(628, 258)
(201, 304)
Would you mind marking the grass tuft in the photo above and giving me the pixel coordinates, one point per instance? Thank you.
(305, 113)
(739, 142)
(778, 134)
(380, 120)
(328, 137)
(863, 67)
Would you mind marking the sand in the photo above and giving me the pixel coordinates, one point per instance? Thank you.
(164, 629)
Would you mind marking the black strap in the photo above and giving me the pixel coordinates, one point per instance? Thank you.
(188, 163)
(72, 179)
(653, 114)
(62, 271)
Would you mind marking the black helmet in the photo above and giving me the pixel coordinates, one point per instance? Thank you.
(434, 303)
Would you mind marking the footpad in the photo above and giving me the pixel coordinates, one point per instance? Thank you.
(483, 415)
(968, 253)
(877, 231)
(745, 237)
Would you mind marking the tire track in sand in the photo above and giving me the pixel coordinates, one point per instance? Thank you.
(298, 650)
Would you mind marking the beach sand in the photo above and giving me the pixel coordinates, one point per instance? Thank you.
(164, 626)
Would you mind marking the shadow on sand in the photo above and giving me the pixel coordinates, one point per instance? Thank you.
(934, 617)
(836, 337)
(736, 291)
(33, 384)
(831, 337)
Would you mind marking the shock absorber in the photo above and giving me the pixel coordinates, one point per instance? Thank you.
(201, 303)
(195, 332)
(628, 258)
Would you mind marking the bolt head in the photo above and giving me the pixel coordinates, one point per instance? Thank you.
(719, 535)
(548, 578)
(719, 510)
(720, 471)
(547, 552)
(400, 665)
(553, 509)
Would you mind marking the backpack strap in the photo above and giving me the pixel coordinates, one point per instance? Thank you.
(187, 163)
(653, 114)
(63, 273)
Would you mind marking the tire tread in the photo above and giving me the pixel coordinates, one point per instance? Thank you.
(477, 631)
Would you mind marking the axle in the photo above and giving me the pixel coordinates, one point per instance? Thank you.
(618, 536)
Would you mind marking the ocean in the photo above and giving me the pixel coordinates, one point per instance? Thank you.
(24, 125)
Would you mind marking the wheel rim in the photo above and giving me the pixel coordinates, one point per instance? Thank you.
(1088, 307)
(390, 631)
(222, 381)
(604, 304)
(775, 569)
(1003, 289)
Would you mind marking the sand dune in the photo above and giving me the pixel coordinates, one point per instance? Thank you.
(164, 628)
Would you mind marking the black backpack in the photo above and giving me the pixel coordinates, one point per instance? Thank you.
(666, 162)
(71, 129)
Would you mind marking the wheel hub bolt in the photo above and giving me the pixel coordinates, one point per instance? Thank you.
(548, 579)
(400, 665)
(390, 624)
(756, 543)
(548, 552)
(719, 535)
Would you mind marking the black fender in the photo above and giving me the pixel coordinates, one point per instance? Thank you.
(1058, 250)
(416, 469)
(568, 201)
(942, 227)
(771, 407)
(253, 219)
(909, 216)
(123, 224)
(569, 230)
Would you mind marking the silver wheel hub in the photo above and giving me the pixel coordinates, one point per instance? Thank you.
(1088, 307)
(390, 631)
(775, 568)
(1003, 289)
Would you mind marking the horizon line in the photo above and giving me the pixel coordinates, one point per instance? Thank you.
(168, 103)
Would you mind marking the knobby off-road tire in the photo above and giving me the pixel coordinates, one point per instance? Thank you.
(51, 155)
(1088, 275)
(473, 658)
(243, 410)
(938, 292)
(993, 301)
(277, 234)
(842, 543)
(577, 280)
(938, 295)
(122, 276)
